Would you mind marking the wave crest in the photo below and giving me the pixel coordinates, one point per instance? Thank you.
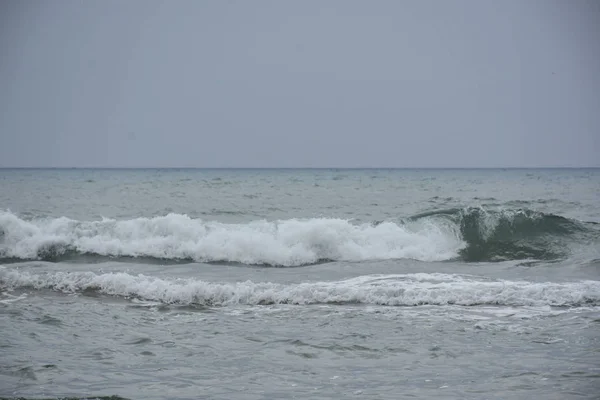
(284, 243)
(392, 290)
(471, 234)
(513, 234)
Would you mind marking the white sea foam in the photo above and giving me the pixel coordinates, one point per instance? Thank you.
(6, 298)
(393, 290)
(286, 243)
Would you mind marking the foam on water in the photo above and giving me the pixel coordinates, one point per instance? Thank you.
(393, 290)
(470, 234)
(286, 243)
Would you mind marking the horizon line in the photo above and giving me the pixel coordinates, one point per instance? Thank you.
(288, 168)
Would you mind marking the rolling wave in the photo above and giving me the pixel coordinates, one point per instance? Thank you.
(514, 234)
(392, 290)
(174, 236)
(471, 234)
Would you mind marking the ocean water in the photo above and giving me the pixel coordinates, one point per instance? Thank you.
(314, 284)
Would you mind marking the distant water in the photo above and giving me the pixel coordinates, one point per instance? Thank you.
(263, 284)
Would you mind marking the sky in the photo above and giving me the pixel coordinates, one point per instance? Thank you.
(312, 83)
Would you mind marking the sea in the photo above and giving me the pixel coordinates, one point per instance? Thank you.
(300, 283)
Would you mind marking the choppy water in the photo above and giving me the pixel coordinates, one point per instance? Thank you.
(300, 283)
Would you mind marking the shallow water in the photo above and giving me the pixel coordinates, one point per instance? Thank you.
(300, 283)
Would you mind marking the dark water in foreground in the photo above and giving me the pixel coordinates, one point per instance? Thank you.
(261, 284)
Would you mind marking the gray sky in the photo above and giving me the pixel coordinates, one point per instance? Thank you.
(312, 83)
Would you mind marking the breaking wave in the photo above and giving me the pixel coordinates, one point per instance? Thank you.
(515, 234)
(472, 234)
(284, 243)
(392, 290)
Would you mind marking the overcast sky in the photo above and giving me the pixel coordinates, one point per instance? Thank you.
(311, 83)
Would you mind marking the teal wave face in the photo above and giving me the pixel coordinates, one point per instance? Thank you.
(515, 234)
(473, 234)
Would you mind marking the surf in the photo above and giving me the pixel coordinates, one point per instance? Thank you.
(469, 234)
(389, 290)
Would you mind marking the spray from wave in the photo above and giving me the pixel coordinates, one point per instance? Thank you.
(284, 243)
(472, 234)
(392, 290)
